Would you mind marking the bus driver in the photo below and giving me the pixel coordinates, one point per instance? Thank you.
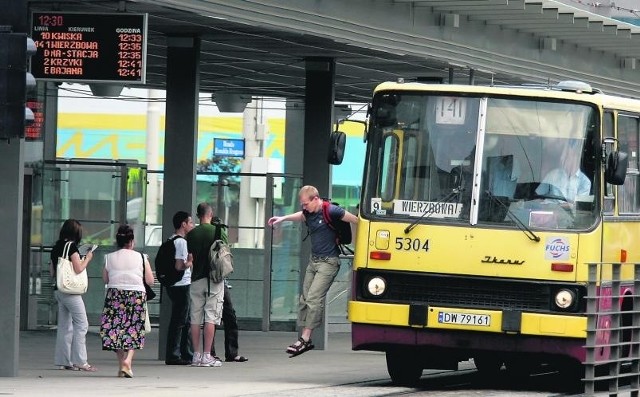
(566, 181)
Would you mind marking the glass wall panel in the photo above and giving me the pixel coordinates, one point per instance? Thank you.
(285, 254)
(100, 195)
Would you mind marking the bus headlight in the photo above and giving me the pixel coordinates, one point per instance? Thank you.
(565, 298)
(376, 286)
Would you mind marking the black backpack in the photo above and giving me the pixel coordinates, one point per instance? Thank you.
(165, 263)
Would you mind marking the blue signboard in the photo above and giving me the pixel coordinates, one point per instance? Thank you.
(228, 147)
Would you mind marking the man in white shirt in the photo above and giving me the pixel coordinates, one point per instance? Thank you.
(179, 350)
(567, 181)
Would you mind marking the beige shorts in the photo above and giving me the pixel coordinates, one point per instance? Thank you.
(206, 307)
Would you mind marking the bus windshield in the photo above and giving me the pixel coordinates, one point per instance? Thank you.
(482, 160)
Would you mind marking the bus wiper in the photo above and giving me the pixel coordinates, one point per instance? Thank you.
(431, 208)
(528, 232)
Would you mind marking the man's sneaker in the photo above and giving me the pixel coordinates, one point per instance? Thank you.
(209, 361)
(197, 360)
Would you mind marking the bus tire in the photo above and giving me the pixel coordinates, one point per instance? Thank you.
(487, 364)
(519, 368)
(403, 368)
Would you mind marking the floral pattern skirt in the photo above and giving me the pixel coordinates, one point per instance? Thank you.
(122, 320)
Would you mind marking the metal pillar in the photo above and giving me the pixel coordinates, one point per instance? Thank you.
(318, 122)
(266, 274)
(51, 121)
(180, 143)
(11, 184)
(294, 138)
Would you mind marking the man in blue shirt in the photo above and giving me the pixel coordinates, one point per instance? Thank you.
(323, 265)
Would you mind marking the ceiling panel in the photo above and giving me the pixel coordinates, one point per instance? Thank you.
(263, 59)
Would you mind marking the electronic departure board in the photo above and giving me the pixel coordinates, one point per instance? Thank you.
(89, 47)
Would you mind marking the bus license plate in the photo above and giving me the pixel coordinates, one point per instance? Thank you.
(482, 320)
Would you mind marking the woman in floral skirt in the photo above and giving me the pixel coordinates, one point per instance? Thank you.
(124, 312)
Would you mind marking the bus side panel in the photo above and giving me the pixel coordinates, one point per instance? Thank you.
(361, 247)
(590, 251)
(620, 236)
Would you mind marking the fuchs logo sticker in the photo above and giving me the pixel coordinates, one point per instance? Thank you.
(556, 248)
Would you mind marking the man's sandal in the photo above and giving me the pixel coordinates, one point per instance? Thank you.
(298, 347)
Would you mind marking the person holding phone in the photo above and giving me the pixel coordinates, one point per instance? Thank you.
(71, 335)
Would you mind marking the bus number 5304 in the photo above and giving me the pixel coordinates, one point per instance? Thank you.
(412, 244)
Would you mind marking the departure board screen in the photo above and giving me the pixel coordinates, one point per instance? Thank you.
(89, 47)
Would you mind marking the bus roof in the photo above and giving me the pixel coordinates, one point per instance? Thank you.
(541, 91)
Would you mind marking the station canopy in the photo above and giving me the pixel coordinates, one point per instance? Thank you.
(260, 48)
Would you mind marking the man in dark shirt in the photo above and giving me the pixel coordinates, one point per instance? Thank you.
(323, 265)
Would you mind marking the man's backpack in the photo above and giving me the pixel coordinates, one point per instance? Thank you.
(340, 227)
(220, 257)
(220, 261)
(165, 263)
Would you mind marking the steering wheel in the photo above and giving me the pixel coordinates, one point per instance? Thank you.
(550, 197)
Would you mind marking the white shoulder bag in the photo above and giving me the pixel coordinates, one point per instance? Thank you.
(67, 280)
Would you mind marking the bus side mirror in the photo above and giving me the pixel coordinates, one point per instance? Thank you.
(616, 168)
(337, 142)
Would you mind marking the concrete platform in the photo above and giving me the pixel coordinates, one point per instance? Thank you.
(337, 371)
(269, 370)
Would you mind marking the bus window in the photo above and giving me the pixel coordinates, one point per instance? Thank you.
(409, 176)
(628, 194)
(532, 164)
(388, 169)
(608, 132)
(423, 157)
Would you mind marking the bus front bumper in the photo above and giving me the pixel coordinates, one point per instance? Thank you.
(379, 324)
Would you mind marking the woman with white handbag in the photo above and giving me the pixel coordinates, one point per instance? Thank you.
(71, 346)
(123, 318)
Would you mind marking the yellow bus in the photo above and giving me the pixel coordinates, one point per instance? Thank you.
(481, 208)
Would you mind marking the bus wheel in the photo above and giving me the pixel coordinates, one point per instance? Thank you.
(403, 368)
(487, 364)
(519, 368)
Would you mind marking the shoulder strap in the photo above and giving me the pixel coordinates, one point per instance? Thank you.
(326, 215)
(218, 230)
(65, 250)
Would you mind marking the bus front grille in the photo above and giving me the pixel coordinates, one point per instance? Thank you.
(460, 291)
